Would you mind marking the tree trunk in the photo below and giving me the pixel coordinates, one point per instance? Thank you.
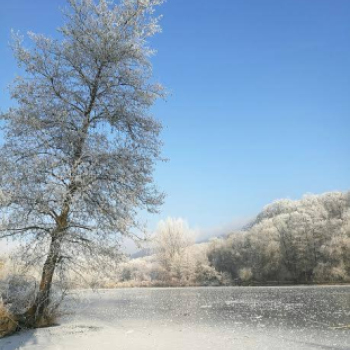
(35, 316)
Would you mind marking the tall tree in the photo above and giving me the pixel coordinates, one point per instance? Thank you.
(80, 145)
(172, 238)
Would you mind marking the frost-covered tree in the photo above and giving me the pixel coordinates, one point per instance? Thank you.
(296, 241)
(171, 239)
(80, 146)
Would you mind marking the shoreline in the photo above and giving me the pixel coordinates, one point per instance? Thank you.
(206, 287)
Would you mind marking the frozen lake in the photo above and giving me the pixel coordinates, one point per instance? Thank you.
(239, 318)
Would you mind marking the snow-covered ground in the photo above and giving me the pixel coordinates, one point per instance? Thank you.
(283, 318)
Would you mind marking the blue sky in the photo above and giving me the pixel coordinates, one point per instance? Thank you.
(259, 104)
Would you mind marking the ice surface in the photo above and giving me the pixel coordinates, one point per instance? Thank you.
(271, 318)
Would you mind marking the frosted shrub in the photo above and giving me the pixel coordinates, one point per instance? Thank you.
(207, 275)
(246, 274)
(8, 323)
(339, 274)
(18, 293)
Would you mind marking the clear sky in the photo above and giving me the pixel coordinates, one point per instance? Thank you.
(259, 106)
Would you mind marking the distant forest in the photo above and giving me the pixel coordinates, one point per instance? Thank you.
(303, 241)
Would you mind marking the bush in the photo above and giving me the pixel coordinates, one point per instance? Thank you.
(8, 323)
(18, 293)
(246, 274)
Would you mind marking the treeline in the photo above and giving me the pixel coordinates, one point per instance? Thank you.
(176, 261)
(304, 241)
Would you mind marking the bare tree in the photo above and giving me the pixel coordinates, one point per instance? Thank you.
(80, 146)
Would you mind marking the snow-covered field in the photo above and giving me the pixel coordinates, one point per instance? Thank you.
(281, 318)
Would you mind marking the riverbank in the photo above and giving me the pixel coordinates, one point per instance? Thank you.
(146, 284)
